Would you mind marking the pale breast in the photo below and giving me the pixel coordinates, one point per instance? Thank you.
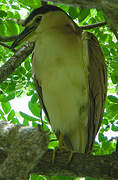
(60, 67)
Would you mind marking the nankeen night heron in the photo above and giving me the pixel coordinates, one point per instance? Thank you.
(70, 73)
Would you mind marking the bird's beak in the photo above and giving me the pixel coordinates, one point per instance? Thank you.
(23, 36)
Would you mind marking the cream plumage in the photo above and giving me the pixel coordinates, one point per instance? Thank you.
(70, 75)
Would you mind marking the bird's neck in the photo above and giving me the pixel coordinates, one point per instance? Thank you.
(58, 20)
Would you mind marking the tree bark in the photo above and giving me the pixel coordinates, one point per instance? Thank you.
(82, 165)
(15, 61)
(21, 148)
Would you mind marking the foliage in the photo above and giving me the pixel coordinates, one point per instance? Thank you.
(21, 82)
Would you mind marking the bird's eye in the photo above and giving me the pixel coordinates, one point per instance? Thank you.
(38, 19)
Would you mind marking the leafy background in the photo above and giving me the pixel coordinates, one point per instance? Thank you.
(20, 83)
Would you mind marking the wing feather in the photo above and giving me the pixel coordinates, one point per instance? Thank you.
(97, 88)
(39, 91)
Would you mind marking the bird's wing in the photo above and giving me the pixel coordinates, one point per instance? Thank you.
(97, 79)
(39, 91)
(40, 95)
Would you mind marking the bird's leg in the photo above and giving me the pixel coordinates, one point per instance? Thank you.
(54, 151)
(64, 145)
(68, 147)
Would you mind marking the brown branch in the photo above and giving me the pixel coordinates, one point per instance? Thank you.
(5, 45)
(22, 148)
(8, 68)
(8, 39)
(82, 165)
(82, 3)
(91, 26)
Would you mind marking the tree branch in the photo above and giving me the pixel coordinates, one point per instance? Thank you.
(4, 45)
(7, 39)
(23, 147)
(15, 61)
(110, 9)
(91, 26)
(82, 165)
(24, 151)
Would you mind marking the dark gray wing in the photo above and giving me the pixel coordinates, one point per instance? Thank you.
(39, 91)
(97, 88)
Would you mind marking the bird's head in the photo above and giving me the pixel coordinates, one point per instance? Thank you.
(40, 20)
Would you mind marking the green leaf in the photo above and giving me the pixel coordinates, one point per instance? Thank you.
(34, 108)
(100, 15)
(3, 29)
(2, 118)
(37, 177)
(33, 4)
(114, 63)
(114, 77)
(3, 98)
(19, 93)
(3, 14)
(15, 121)
(105, 121)
(12, 27)
(6, 107)
(63, 7)
(11, 86)
(10, 14)
(29, 74)
(25, 122)
(30, 92)
(11, 115)
(114, 128)
(114, 108)
(17, 15)
(4, 6)
(27, 65)
(107, 128)
(1, 113)
(11, 95)
(27, 117)
(53, 144)
(34, 124)
(84, 12)
(15, 7)
(21, 70)
(45, 126)
(34, 98)
(113, 99)
(101, 137)
(73, 12)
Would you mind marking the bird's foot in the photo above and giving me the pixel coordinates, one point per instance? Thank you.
(62, 150)
(64, 146)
